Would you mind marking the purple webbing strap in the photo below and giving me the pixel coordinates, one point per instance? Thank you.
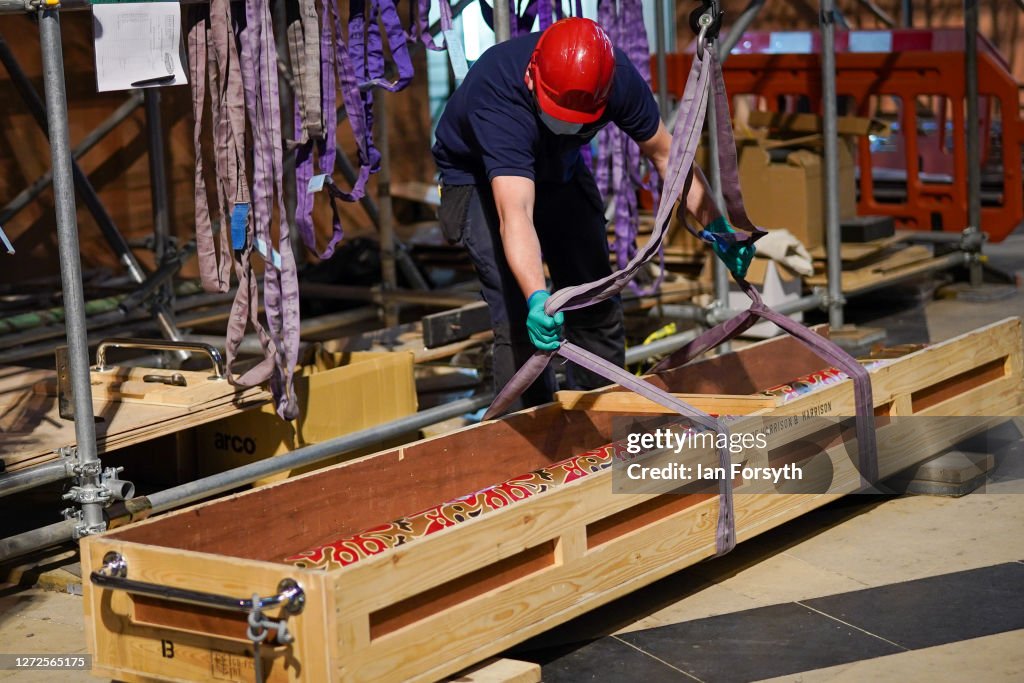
(280, 278)
(826, 349)
(355, 105)
(323, 147)
(398, 43)
(521, 22)
(221, 65)
(545, 12)
(421, 24)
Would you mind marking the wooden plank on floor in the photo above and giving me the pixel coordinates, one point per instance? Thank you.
(500, 671)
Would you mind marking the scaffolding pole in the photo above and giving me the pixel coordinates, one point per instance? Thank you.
(26, 196)
(660, 50)
(89, 493)
(907, 13)
(972, 235)
(739, 28)
(830, 130)
(162, 250)
(502, 21)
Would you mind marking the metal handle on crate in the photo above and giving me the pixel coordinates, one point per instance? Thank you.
(113, 575)
(160, 345)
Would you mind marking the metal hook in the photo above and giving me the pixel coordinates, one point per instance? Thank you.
(705, 22)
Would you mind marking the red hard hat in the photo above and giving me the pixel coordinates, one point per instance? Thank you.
(572, 68)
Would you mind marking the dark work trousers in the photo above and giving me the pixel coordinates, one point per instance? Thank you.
(570, 224)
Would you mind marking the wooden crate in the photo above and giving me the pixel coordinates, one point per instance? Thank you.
(428, 605)
(128, 410)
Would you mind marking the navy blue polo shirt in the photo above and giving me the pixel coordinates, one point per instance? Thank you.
(490, 126)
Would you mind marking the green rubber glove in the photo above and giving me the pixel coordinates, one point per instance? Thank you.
(736, 257)
(545, 330)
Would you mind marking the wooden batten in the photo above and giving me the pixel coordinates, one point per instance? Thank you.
(498, 578)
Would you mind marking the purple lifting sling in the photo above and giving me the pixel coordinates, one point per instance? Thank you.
(245, 82)
(357, 68)
(617, 166)
(684, 144)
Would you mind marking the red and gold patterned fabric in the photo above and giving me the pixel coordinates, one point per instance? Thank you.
(349, 549)
(352, 548)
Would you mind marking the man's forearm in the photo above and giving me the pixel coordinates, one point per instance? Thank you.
(522, 251)
(700, 200)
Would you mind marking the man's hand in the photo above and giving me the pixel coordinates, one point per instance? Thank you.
(545, 330)
(736, 257)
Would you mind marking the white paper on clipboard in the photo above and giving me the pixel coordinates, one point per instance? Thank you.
(138, 45)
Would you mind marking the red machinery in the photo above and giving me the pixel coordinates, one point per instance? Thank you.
(919, 174)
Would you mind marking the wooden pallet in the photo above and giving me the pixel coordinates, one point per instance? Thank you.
(437, 602)
(875, 264)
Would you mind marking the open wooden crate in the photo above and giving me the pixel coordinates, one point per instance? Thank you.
(401, 602)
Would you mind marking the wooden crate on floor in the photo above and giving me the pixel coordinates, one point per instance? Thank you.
(421, 561)
(129, 411)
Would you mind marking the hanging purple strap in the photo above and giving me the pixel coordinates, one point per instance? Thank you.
(321, 150)
(824, 348)
(364, 34)
(421, 24)
(684, 143)
(280, 278)
(220, 64)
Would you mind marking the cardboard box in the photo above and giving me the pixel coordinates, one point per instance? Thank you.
(777, 285)
(782, 171)
(784, 187)
(338, 393)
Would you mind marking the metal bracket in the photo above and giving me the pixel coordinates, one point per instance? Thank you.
(65, 391)
(706, 22)
(715, 313)
(88, 494)
(822, 294)
(826, 300)
(972, 240)
(713, 9)
(81, 529)
(89, 469)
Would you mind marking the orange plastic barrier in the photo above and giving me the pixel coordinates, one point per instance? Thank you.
(918, 175)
